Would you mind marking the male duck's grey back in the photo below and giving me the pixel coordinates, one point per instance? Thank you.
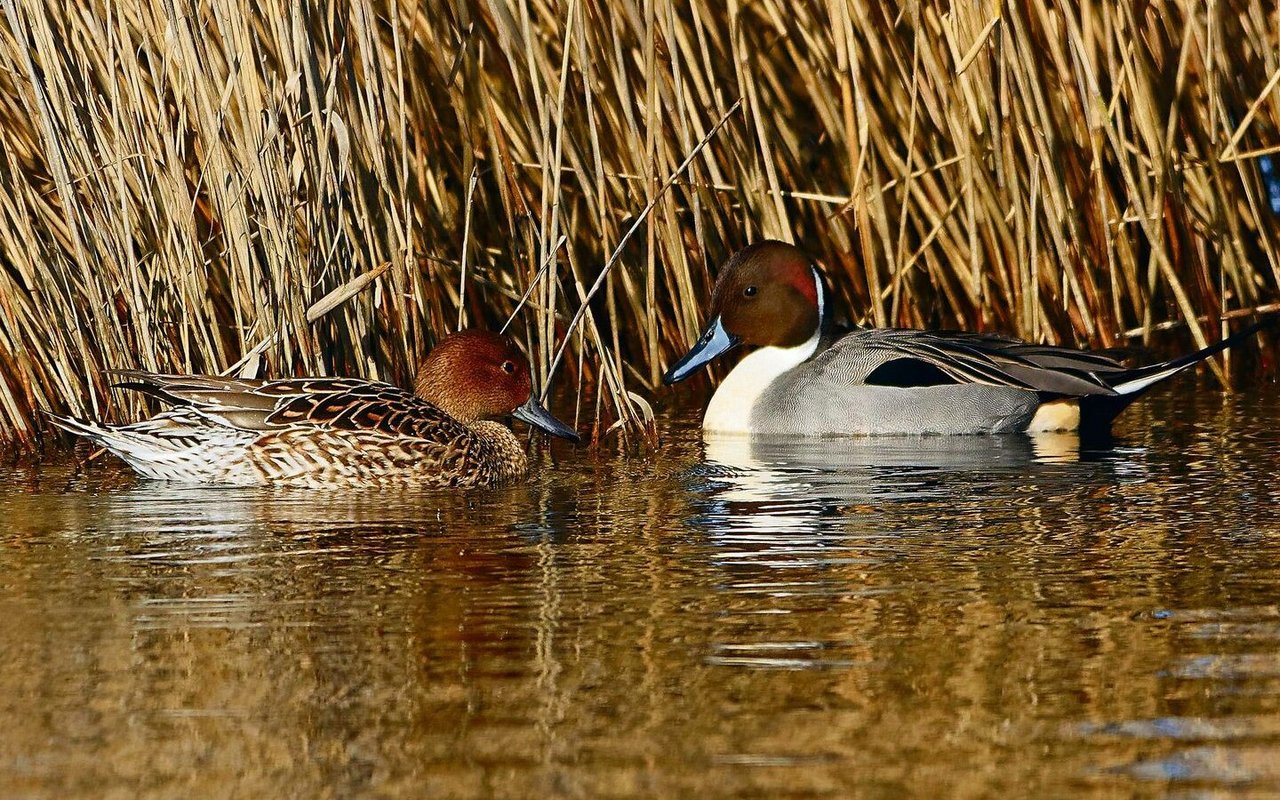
(808, 379)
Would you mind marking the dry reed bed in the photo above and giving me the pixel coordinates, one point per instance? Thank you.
(182, 182)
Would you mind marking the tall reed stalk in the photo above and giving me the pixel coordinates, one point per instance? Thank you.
(181, 182)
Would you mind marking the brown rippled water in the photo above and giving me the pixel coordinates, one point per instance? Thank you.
(958, 617)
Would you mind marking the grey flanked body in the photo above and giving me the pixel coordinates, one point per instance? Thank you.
(805, 377)
(826, 396)
(842, 389)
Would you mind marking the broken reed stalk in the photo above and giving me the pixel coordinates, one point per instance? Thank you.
(181, 182)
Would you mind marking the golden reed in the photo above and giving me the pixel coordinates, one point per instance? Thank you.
(326, 187)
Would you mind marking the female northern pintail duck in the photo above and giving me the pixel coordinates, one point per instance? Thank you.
(807, 378)
(322, 432)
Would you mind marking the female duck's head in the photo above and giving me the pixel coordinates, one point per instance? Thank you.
(769, 295)
(474, 375)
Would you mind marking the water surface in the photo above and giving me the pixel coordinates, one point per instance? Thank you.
(961, 617)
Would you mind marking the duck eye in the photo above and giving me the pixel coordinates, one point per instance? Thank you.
(509, 367)
(750, 291)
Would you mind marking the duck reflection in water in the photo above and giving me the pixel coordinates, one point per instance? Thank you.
(782, 482)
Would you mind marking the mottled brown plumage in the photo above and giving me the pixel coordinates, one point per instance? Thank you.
(338, 431)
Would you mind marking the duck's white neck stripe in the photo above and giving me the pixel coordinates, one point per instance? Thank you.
(730, 408)
(822, 299)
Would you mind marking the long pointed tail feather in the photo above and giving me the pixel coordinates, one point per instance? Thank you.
(1134, 382)
(1097, 412)
(80, 427)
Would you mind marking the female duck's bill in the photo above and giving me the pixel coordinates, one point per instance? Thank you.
(805, 377)
(535, 414)
(323, 432)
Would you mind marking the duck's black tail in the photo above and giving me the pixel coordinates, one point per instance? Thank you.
(1097, 411)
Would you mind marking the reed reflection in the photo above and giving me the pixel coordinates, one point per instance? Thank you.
(705, 620)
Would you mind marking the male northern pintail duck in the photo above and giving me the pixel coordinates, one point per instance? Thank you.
(808, 378)
(322, 432)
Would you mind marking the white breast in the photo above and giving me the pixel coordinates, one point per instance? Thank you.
(730, 408)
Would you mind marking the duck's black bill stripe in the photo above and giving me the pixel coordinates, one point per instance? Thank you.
(714, 341)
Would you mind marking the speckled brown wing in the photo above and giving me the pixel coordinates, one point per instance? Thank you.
(331, 403)
(359, 406)
(340, 431)
(374, 434)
